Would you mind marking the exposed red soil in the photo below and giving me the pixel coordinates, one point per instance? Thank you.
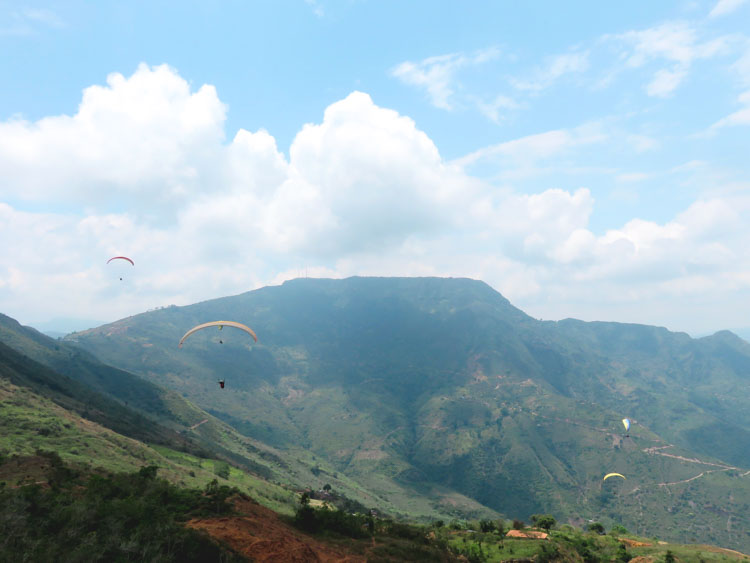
(258, 533)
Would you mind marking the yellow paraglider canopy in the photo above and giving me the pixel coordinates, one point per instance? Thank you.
(220, 324)
(608, 475)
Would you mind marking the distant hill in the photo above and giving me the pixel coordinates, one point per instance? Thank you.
(439, 390)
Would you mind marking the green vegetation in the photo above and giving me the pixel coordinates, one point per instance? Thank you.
(426, 399)
(108, 517)
(437, 399)
(480, 542)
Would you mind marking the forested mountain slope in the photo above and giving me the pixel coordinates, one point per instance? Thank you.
(416, 387)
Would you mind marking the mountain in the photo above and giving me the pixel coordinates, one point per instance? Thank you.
(113, 396)
(429, 394)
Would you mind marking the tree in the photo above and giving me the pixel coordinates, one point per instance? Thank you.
(596, 527)
(518, 525)
(326, 487)
(487, 526)
(544, 521)
(669, 557)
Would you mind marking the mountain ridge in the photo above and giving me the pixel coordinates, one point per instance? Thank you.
(403, 384)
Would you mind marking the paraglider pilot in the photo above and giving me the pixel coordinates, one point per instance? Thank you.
(221, 383)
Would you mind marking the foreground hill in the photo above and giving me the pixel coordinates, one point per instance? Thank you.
(139, 409)
(429, 392)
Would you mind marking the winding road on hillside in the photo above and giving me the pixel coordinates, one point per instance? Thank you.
(656, 450)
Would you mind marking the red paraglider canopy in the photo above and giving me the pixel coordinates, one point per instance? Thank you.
(121, 258)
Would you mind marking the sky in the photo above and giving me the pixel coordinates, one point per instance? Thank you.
(585, 159)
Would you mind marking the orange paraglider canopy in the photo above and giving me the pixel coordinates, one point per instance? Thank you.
(220, 324)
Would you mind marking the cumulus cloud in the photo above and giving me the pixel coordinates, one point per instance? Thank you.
(141, 142)
(144, 169)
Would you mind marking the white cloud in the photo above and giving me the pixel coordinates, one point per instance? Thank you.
(632, 177)
(43, 16)
(363, 191)
(539, 146)
(739, 117)
(677, 43)
(642, 143)
(724, 7)
(553, 70)
(438, 74)
(141, 142)
(29, 21)
(742, 65)
(492, 109)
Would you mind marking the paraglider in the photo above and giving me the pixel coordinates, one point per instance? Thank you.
(121, 258)
(220, 324)
(608, 475)
(626, 424)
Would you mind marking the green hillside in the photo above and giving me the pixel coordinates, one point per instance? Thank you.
(428, 392)
(164, 417)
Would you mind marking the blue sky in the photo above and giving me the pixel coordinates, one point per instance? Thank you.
(586, 160)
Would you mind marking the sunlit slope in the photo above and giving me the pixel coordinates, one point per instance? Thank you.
(409, 386)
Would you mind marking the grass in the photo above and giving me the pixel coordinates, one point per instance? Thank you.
(29, 423)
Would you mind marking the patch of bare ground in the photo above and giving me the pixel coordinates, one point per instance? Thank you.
(259, 534)
(634, 543)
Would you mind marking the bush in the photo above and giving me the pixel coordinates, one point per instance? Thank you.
(547, 552)
(323, 520)
(221, 468)
(109, 517)
(596, 527)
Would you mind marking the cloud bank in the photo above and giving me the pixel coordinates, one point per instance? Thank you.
(143, 168)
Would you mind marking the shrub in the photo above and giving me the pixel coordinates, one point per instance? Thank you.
(221, 468)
